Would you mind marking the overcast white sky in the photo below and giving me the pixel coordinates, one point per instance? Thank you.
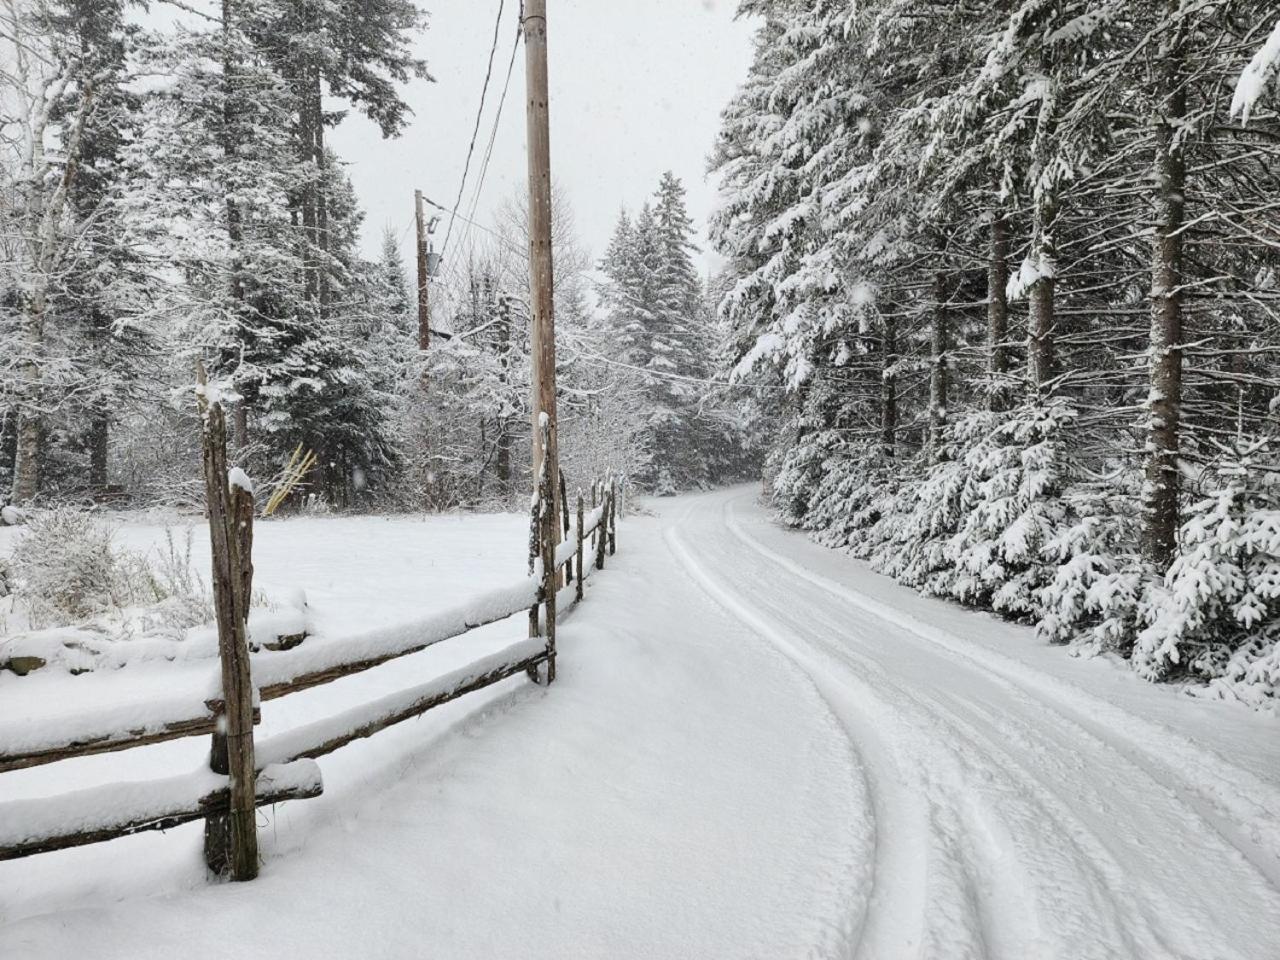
(636, 89)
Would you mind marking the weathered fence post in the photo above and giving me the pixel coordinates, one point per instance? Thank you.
(231, 839)
(564, 514)
(613, 518)
(600, 529)
(595, 484)
(581, 568)
(542, 552)
(535, 553)
(550, 575)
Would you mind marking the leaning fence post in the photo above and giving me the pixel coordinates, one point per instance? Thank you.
(231, 839)
(581, 568)
(613, 518)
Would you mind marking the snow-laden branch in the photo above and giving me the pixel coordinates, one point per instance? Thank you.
(1253, 82)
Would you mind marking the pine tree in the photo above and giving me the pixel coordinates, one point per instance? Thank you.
(659, 326)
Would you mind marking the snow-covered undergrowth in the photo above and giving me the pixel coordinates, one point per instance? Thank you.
(78, 600)
(1002, 518)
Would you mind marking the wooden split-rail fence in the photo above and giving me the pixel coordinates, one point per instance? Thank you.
(243, 774)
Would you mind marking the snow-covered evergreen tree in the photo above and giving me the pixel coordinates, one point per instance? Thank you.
(973, 268)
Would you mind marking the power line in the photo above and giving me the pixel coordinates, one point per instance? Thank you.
(475, 223)
(484, 92)
(493, 134)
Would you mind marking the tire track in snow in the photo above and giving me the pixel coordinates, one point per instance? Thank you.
(972, 848)
(1090, 890)
(1250, 827)
(893, 916)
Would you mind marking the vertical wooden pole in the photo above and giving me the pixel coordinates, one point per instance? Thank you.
(231, 840)
(595, 485)
(535, 554)
(546, 461)
(550, 578)
(600, 532)
(564, 519)
(582, 570)
(613, 518)
(424, 306)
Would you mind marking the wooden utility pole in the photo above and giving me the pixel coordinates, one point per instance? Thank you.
(546, 460)
(424, 306)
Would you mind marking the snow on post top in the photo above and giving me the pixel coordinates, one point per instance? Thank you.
(217, 391)
(238, 479)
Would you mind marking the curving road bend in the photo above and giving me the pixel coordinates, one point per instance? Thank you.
(1021, 804)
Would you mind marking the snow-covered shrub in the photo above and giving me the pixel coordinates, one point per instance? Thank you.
(1216, 614)
(67, 570)
(853, 496)
(1011, 508)
(1094, 599)
(799, 470)
(183, 598)
(914, 549)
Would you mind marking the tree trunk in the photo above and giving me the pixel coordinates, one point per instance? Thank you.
(235, 223)
(240, 424)
(1160, 492)
(889, 388)
(30, 433)
(310, 150)
(26, 464)
(1040, 330)
(938, 377)
(998, 310)
(99, 449)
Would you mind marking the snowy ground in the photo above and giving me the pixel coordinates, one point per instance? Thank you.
(756, 749)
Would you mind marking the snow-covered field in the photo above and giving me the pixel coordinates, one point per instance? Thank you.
(756, 748)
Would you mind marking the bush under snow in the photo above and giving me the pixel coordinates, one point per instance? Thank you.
(1008, 525)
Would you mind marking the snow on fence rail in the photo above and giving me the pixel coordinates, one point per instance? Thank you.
(283, 767)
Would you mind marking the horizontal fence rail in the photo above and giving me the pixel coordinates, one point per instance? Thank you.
(119, 810)
(283, 766)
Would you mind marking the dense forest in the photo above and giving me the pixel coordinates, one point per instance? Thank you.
(168, 196)
(1014, 266)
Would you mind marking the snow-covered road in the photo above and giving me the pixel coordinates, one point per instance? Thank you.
(756, 748)
(1013, 811)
